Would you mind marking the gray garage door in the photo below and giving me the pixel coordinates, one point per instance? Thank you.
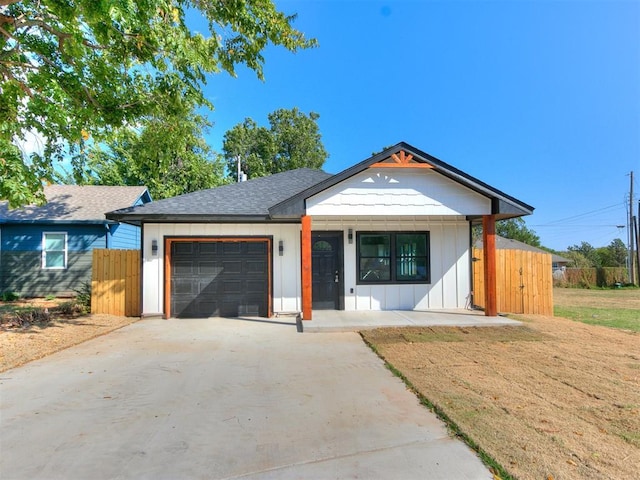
(219, 278)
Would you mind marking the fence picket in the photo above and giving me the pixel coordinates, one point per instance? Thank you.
(537, 295)
(115, 282)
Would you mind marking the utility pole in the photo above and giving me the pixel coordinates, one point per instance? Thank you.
(631, 230)
(637, 233)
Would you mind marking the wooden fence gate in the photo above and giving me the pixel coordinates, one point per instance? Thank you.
(115, 282)
(524, 281)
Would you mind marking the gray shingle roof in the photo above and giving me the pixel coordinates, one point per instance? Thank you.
(74, 203)
(250, 199)
(503, 205)
(503, 243)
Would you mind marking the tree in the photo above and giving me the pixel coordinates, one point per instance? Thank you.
(578, 260)
(71, 71)
(613, 255)
(167, 153)
(292, 141)
(516, 229)
(587, 255)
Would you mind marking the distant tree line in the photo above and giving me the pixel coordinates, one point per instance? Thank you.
(581, 256)
(587, 256)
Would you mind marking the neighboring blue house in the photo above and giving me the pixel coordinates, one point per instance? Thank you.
(47, 250)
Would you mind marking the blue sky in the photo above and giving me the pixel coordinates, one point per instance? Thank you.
(539, 99)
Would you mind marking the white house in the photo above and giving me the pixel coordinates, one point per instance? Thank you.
(392, 232)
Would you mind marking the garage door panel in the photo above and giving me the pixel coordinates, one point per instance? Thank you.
(256, 248)
(219, 278)
(184, 287)
(207, 248)
(232, 266)
(207, 308)
(232, 287)
(209, 268)
(183, 248)
(255, 266)
(229, 248)
(183, 268)
(254, 287)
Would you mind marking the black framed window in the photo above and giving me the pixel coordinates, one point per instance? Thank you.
(393, 257)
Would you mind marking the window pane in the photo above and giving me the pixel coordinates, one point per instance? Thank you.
(408, 244)
(375, 245)
(322, 246)
(54, 241)
(375, 269)
(54, 260)
(411, 268)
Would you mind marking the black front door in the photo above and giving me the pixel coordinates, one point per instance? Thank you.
(326, 267)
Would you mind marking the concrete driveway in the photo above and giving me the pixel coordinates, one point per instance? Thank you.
(220, 398)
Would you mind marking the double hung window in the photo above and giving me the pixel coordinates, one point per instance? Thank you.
(54, 250)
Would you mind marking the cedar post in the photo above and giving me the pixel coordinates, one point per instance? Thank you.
(489, 243)
(306, 267)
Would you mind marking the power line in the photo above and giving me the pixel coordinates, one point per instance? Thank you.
(579, 226)
(586, 213)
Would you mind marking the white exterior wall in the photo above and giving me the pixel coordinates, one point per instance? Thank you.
(286, 269)
(400, 199)
(402, 192)
(377, 199)
(450, 264)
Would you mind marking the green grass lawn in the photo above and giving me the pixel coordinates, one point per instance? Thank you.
(627, 319)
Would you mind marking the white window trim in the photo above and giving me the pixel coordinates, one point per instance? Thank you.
(44, 251)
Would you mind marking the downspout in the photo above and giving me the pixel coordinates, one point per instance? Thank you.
(107, 243)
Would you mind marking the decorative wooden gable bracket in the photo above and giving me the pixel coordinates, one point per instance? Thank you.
(400, 160)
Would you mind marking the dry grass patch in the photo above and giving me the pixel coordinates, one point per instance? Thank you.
(610, 298)
(21, 345)
(555, 399)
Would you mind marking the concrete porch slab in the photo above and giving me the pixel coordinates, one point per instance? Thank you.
(343, 321)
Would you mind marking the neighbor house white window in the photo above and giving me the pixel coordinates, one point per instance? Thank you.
(54, 250)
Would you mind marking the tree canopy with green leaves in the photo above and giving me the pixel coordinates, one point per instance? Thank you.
(292, 141)
(72, 71)
(513, 228)
(166, 153)
(516, 229)
(587, 256)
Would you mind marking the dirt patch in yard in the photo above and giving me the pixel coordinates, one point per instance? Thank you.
(554, 399)
(21, 345)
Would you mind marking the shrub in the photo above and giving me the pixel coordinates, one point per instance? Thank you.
(70, 308)
(83, 297)
(9, 296)
(602, 277)
(24, 318)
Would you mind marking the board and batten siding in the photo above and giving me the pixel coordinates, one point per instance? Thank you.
(286, 269)
(400, 199)
(21, 259)
(449, 262)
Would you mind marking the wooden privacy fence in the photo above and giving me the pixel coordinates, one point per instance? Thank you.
(524, 281)
(115, 282)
